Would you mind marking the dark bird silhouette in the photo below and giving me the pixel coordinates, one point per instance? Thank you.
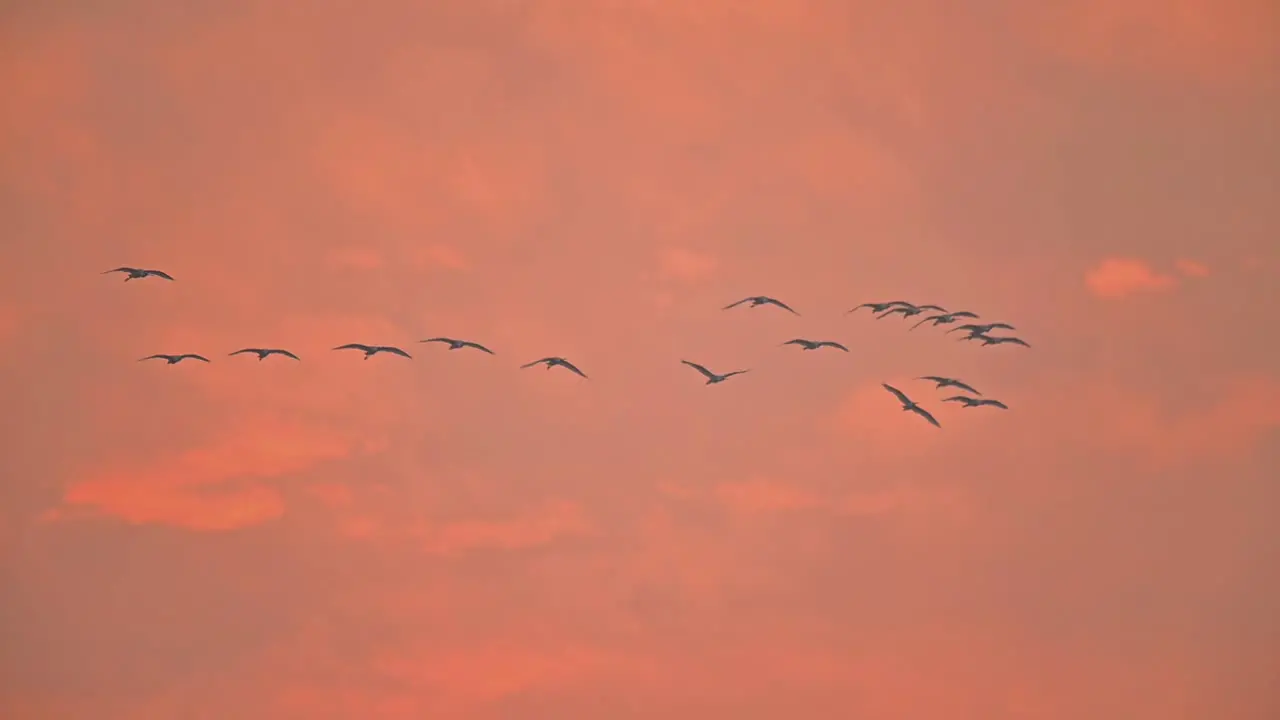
(458, 344)
(175, 359)
(371, 350)
(982, 329)
(713, 378)
(132, 273)
(944, 318)
(989, 340)
(945, 382)
(815, 344)
(758, 300)
(262, 353)
(976, 402)
(554, 361)
(909, 405)
(881, 306)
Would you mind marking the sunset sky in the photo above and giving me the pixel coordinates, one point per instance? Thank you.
(453, 537)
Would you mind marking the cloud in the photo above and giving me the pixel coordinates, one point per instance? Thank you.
(1120, 277)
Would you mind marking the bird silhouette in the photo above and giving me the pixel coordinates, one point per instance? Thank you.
(945, 382)
(879, 307)
(976, 402)
(458, 344)
(990, 340)
(371, 350)
(175, 359)
(551, 362)
(982, 329)
(944, 318)
(758, 300)
(262, 353)
(713, 378)
(132, 273)
(815, 344)
(909, 405)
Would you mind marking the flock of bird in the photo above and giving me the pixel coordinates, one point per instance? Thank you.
(980, 332)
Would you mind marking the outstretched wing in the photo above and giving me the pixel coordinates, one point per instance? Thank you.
(155, 357)
(969, 328)
(829, 343)
(193, 356)
(571, 367)
(1000, 326)
(1016, 341)
(354, 346)
(934, 378)
(160, 274)
(932, 317)
(477, 346)
(120, 269)
(733, 305)
(964, 386)
(781, 304)
(737, 372)
(897, 393)
(797, 341)
(286, 353)
(893, 311)
(439, 339)
(993, 403)
(242, 351)
(705, 372)
(925, 414)
(393, 350)
(536, 362)
(963, 313)
(934, 308)
(863, 305)
(959, 399)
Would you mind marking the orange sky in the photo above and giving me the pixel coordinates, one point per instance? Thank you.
(454, 538)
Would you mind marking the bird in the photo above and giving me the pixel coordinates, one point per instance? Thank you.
(990, 340)
(458, 344)
(174, 359)
(815, 344)
(757, 300)
(982, 329)
(944, 318)
(945, 382)
(909, 405)
(976, 402)
(880, 306)
(132, 273)
(262, 353)
(554, 361)
(371, 350)
(713, 378)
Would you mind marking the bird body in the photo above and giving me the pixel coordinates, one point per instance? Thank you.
(262, 353)
(976, 402)
(458, 344)
(815, 344)
(175, 359)
(371, 350)
(713, 378)
(551, 362)
(945, 382)
(132, 273)
(909, 405)
(758, 300)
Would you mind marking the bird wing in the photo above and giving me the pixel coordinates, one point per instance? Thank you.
(863, 305)
(829, 343)
(925, 414)
(797, 341)
(193, 356)
(393, 351)
(255, 351)
(964, 386)
(285, 353)
(535, 362)
(958, 398)
(736, 372)
(478, 346)
(891, 311)
(705, 372)
(1001, 326)
(932, 317)
(897, 393)
(933, 378)
(733, 305)
(993, 403)
(969, 327)
(120, 269)
(931, 307)
(781, 304)
(1016, 341)
(354, 346)
(439, 339)
(902, 303)
(155, 357)
(963, 313)
(570, 366)
(160, 273)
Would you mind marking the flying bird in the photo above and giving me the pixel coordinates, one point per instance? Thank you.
(262, 353)
(982, 329)
(458, 344)
(990, 340)
(976, 402)
(909, 405)
(757, 300)
(371, 350)
(713, 378)
(945, 382)
(880, 307)
(944, 318)
(554, 361)
(132, 273)
(175, 359)
(815, 344)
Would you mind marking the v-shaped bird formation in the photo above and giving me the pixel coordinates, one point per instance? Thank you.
(880, 310)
